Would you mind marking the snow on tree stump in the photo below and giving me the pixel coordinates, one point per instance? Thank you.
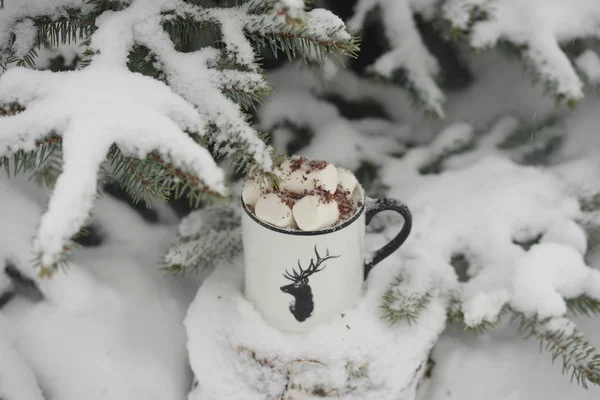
(235, 354)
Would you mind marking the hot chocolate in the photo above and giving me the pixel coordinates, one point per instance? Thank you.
(310, 195)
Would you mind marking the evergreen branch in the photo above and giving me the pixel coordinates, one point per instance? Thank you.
(64, 30)
(562, 84)
(584, 305)
(203, 252)
(205, 237)
(28, 60)
(399, 304)
(455, 315)
(11, 109)
(559, 337)
(460, 31)
(108, 5)
(244, 90)
(234, 149)
(50, 166)
(47, 271)
(292, 41)
(185, 31)
(287, 39)
(247, 100)
(22, 161)
(420, 97)
(156, 179)
(140, 59)
(149, 179)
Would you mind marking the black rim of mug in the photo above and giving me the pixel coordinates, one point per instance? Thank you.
(306, 233)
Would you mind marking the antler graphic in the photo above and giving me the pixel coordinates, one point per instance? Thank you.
(312, 268)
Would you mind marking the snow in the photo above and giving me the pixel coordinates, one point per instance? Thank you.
(452, 138)
(17, 380)
(407, 51)
(463, 211)
(267, 362)
(25, 35)
(15, 12)
(353, 142)
(589, 63)
(548, 273)
(501, 366)
(116, 316)
(120, 319)
(232, 28)
(555, 22)
(145, 116)
(292, 8)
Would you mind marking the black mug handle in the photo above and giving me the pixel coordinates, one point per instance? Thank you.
(374, 207)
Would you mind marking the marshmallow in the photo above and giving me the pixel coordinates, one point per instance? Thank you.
(328, 178)
(251, 191)
(347, 179)
(272, 210)
(311, 214)
(301, 179)
(296, 182)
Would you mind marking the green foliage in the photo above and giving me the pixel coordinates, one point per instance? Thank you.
(298, 42)
(456, 33)
(50, 166)
(584, 305)
(557, 336)
(400, 304)
(294, 40)
(417, 96)
(34, 161)
(206, 237)
(579, 357)
(531, 65)
(141, 59)
(455, 315)
(185, 32)
(153, 178)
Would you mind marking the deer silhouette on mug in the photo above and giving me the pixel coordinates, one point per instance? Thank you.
(302, 306)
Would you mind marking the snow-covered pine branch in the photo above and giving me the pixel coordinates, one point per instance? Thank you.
(488, 23)
(94, 109)
(206, 237)
(407, 55)
(152, 129)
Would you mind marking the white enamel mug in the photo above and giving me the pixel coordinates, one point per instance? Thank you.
(300, 279)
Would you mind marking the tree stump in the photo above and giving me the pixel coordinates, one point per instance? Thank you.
(235, 354)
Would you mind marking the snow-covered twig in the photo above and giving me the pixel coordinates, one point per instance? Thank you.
(407, 55)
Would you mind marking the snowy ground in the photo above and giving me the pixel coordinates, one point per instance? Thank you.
(112, 325)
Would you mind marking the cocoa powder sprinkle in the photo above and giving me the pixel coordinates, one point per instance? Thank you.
(345, 203)
(347, 206)
(312, 165)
